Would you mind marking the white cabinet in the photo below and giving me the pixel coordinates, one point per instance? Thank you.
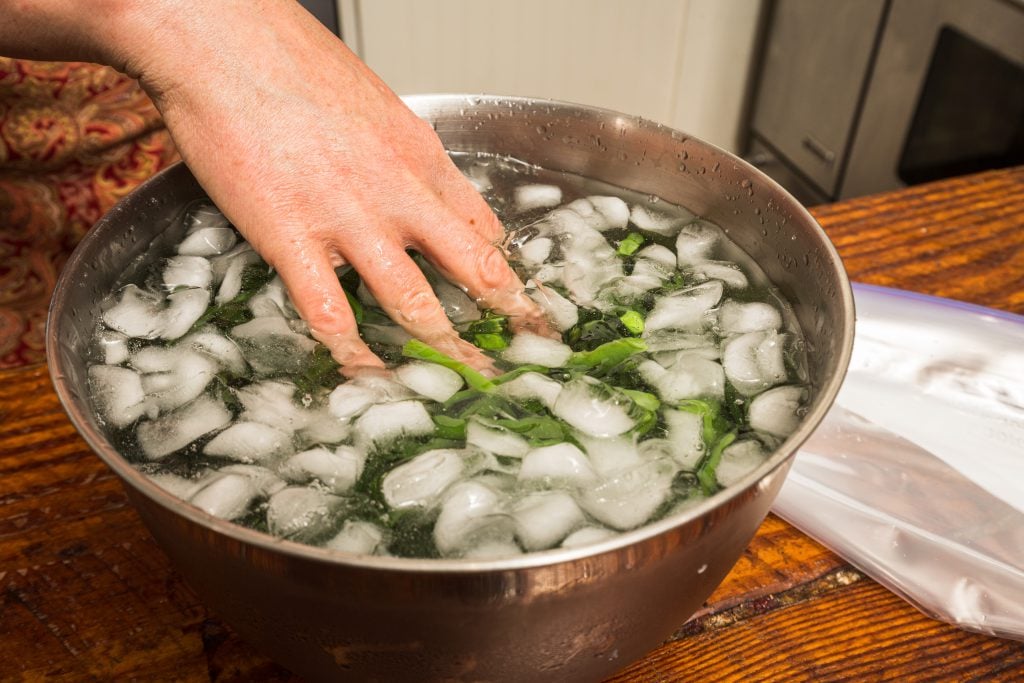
(684, 63)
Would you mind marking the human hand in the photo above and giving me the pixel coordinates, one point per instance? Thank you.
(319, 164)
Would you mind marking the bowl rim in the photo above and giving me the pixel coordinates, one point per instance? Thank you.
(826, 392)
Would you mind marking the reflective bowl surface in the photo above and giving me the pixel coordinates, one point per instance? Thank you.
(560, 615)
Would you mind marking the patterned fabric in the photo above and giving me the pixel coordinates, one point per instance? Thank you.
(74, 138)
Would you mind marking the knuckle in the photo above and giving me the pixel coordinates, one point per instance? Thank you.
(492, 270)
(420, 307)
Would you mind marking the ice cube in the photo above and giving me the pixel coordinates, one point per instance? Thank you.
(272, 300)
(559, 463)
(138, 313)
(349, 400)
(777, 411)
(117, 393)
(536, 251)
(661, 255)
(735, 317)
(208, 233)
(589, 406)
(231, 285)
(685, 434)
(185, 307)
(359, 538)
(177, 429)
(228, 496)
(219, 264)
(562, 312)
(754, 361)
(667, 359)
(456, 303)
(662, 341)
(587, 536)
(609, 455)
(691, 376)
(696, 243)
(549, 274)
(204, 214)
(651, 268)
(726, 271)
(114, 346)
(272, 402)
(628, 499)
(338, 470)
(270, 346)
(688, 309)
(220, 348)
(665, 224)
(536, 196)
(250, 442)
(471, 514)
(493, 549)
(383, 423)
(478, 175)
(608, 212)
(392, 335)
(419, 482)
(301, 514)
(187, 271)
(532, 385)
(545, 518)
(173, 376)
(586, 270)
(629, 288)
(322, 428)
(431, 380)
(266, 481)
(180, 487)
(533, 349)
(495, 439)
(739, 459)
(380, 382)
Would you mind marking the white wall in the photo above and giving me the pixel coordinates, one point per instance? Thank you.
(684, 63)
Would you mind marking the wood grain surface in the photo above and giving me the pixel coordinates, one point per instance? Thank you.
(86, 595)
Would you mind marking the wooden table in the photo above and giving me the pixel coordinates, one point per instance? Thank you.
(87, 595)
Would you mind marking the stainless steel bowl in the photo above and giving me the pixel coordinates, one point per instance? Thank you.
(561, 615)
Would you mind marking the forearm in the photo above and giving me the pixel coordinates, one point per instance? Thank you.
(61, 30)
(308, 153)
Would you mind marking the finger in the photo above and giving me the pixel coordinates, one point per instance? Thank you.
(481, 268)
(320, 300)
(401, 289)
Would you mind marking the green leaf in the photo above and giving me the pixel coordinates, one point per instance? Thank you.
(607, 355)
(320, 372)
(355, 305)
(516, 372)
(633, 321)
(449, 427)
(539, 431)
(714, 422)
(645, 400)
(491, 332)
(414, 348)
(490, 342)
(593, 329)
(629, 244)
(706, 472)
(235, 312)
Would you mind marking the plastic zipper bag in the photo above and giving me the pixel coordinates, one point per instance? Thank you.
(916, 475)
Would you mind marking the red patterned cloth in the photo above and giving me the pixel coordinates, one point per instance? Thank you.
(74, 138)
